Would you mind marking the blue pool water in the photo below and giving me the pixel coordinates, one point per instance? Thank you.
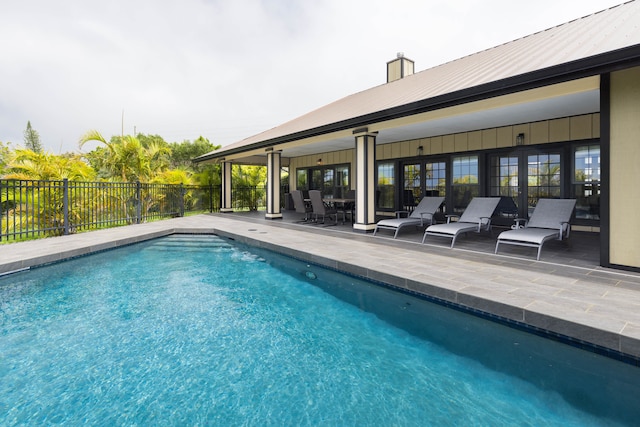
(194, 330)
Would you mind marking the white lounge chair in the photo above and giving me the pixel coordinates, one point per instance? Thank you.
(476, 217)
(549, 220)
(422, 215)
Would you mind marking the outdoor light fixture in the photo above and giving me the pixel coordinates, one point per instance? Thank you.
(520, 139)
(319, 161)
(420, 151)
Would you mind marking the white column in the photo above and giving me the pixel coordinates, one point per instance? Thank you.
(365, 180)
(273, 185)
(226, 187)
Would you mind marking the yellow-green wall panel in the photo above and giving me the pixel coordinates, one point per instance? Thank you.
(490, 138)
(505, 137)
(539, 133)
(436, 145)
(460, 142)
(581, 127)
(559, 130)
(475, 141)
(448, 143)
(624, 226)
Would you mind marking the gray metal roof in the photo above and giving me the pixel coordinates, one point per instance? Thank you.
(589, 44)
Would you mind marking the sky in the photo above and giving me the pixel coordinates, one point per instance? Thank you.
(227, 69)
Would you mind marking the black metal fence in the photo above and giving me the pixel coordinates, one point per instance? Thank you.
(31, 209)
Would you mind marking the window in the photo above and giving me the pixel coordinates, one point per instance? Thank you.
(464, 181)
(317, 179)
(543, 178)
(504, 176)
(435, 179)
(328, 183)
(302, 180)
(411, 186)
(331, 180)
(386, 185)
(342, 181)
(586, 182)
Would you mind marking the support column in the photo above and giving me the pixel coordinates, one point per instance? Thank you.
(623, 159)
(226, 187)
(365, 180)
(273, 185)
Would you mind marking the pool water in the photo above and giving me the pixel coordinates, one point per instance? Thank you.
(197, 330)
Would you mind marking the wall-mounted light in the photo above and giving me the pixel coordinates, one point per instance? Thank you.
(520, 139)
(420, 151)
(319, 162)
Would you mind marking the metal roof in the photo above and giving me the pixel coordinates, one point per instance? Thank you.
(589, 45)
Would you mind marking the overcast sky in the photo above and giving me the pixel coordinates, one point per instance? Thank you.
(227, 69)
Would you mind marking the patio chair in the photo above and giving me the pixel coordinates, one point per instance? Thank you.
(349, 208)
(319, 208)
(422, 215)
(300, 206)
(476, 217)
(549, 220)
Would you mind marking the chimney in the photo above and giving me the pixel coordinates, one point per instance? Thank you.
(399, 68)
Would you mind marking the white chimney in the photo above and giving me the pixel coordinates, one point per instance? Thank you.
(399, 68)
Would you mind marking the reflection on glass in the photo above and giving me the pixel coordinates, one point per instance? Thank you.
(302, 182)
(586, 182)
(543, 178)
(436, 179)
(411, 194)
(465, 181)
(386, 185)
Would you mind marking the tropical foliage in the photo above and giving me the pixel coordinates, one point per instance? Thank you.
(28, 164)
(141, 158)
(105, 181)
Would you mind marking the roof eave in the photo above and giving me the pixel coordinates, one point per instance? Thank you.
(586, 67)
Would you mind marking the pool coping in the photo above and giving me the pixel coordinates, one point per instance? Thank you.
(374, 260)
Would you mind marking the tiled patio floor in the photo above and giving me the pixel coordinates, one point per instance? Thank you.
(565, 293)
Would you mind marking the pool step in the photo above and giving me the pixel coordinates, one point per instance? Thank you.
(189, 244)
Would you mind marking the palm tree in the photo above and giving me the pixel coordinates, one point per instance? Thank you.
(30, 165)
(127, 159)
(34, 193)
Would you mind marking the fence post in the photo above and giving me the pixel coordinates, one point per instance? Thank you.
(182, 193)
(138, 203)
(65, 206)
(210, 198)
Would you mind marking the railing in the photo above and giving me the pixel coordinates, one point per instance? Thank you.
(32, 209)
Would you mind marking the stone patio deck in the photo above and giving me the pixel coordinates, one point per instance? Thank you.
(565, 293)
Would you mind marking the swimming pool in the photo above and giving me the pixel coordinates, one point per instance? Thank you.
(196, 330)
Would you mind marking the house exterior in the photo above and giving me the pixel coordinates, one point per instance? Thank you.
(553, 114)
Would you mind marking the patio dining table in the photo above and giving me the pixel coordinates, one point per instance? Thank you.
(340, 204)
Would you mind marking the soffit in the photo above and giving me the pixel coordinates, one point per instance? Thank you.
(561, 100)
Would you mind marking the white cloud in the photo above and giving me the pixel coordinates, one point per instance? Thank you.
(226, 69)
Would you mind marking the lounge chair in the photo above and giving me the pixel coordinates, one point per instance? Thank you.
(422, 215)
(549, 220)
(319, 208)
(476, 217)
(300, 206)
